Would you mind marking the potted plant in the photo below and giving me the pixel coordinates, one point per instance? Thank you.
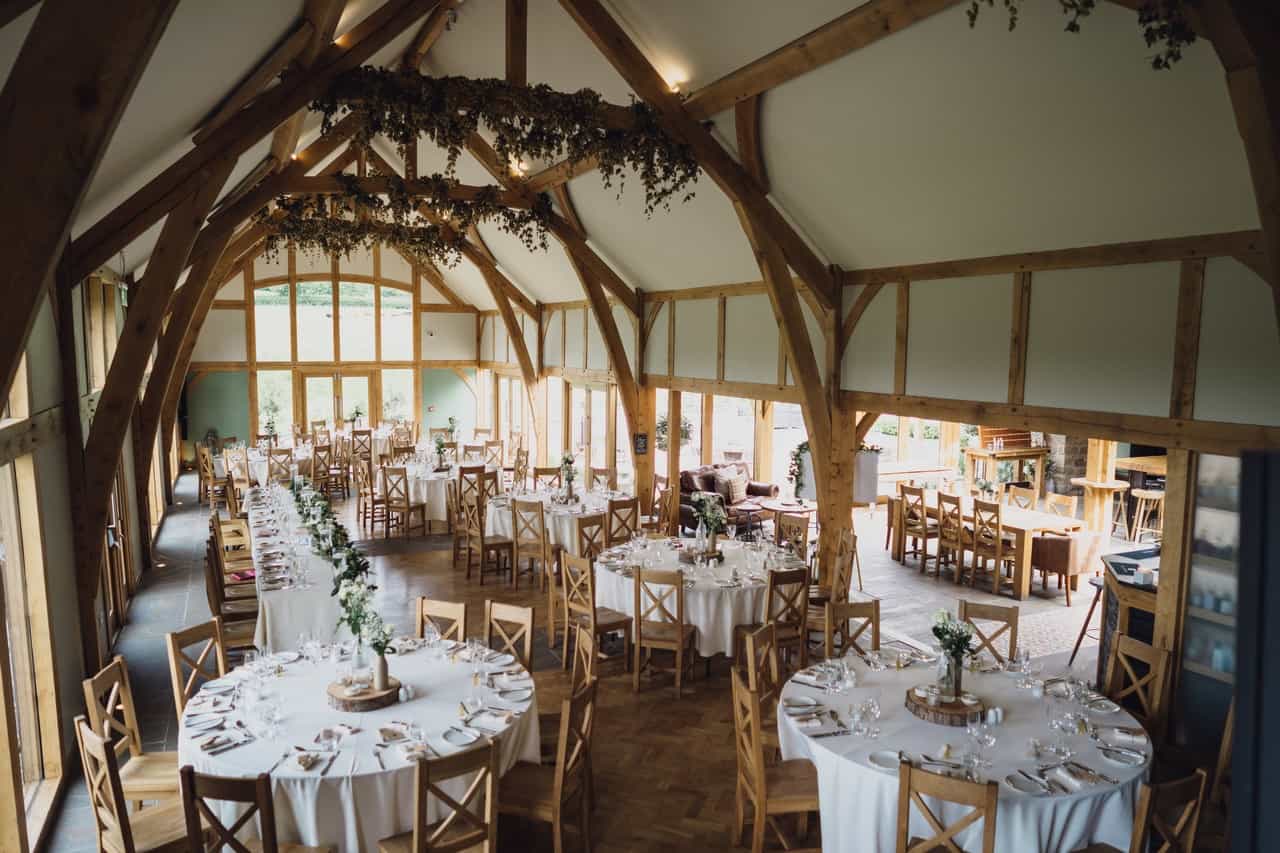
(662, 429)
(440, 443)
(356, 417)
(378, 635)
(453, 428)
(866, 473)
(956, 640)
(712, 520)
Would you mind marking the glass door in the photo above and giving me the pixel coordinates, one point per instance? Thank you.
(319, 401)
(354, 395)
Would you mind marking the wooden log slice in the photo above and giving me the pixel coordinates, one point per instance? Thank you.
(954, 713)
(369, 700)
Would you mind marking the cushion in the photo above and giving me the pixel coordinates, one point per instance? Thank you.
(737, 488)
(720, 483)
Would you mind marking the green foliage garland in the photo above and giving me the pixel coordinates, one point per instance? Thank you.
(795, 468)
(1164, 22)
(526, 123)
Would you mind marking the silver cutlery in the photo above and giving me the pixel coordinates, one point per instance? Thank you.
(1054, 787)
(229, 747)
(929, 759)
(836, 733)
(332, 759)
(282, 757)
(378, 755)
(1039, 783)
(836, 719)
(1094, 773)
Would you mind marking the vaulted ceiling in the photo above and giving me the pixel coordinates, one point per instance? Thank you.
(937, 142)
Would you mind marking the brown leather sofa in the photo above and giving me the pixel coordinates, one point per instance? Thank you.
(703, 479)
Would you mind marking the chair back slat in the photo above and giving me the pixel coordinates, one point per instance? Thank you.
(470, 821)
(511, 627)
(188, 671)
(473, 453)
(1063, 505)
(280, 465)
(1138, 670)
(793, 530)
(573, 745)
(624, 520)
(915, 784)
(470, 482)
(1007, 617)
(449, 617)
(846, 622)
(589, 534)
(108, 698)
(395, 488)
(207, 832)
(787, 598)
(106, 793)
(547, 478)
(659, 597)
(601, 478)
(1021, 497)
(520, 470)
(494, 453)
(1168, 815)
(748, 738)
(764, 665)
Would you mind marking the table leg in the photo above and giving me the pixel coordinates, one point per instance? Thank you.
(1039, 484)
(1022, 565)
(899, 541)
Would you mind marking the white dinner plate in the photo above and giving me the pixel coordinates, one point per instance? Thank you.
(1022, 784)
(286, 657)
(516, 694)
(501, 660)
(885, 759)
(800, 703)
(460, 737)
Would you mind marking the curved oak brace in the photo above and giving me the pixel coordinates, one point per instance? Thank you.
(119, 396)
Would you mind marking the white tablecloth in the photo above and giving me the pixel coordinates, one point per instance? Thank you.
(560, 520)
(859, 803)
(426, 487)
(712, 609)
(353, 810)
(284, 614)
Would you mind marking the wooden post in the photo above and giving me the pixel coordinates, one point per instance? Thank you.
(13, 812)
(706, 431)
(835, 503)
(1100, 467)
(1175, 549)
(949, 444)
(644, 461)
(673, 449)
(763, 449)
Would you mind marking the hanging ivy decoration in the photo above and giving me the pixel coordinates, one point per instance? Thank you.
(340, 224)
(1163, 22)
(526, 123)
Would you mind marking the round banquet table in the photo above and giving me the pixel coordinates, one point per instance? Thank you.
(859, 802)
(711, 603)
(355, 802)
(427, 487)
(559, 519)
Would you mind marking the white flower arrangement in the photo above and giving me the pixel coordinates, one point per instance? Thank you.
(956, 638)
(378, 634)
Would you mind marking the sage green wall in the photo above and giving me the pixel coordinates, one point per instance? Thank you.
(444, 394)
(219, 400)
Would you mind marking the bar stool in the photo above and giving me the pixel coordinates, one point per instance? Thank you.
(1096, 583)
(1120, 516)
(1148, 516)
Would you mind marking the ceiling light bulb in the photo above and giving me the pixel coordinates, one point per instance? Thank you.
(675, 88)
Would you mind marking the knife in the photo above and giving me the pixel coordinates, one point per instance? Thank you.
(1095, 773)
(835, 733)
(229, 747)
(1039, 783)
(332, 759)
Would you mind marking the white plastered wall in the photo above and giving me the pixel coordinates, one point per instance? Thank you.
(448, 337)
(222, 337)
(958, 338)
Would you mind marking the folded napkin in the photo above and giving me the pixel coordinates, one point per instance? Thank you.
(1065, 777)
(214, 742)
(415, 751)
(309, 760)
(1127, 737)
(807, 680)
(247, 575)
(204, 703)
(490, 722)
(814, 722)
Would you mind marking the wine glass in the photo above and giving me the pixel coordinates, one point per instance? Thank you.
(870, 714)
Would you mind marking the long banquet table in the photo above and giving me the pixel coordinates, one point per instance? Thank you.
(365, 794)
(859, 801)
(1020, 524)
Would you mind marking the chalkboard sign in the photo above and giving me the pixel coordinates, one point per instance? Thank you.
(640, 443)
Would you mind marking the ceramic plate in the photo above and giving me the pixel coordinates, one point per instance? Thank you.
(460, 737)
(517, 694)
(800, 702)
(501, 660)
(885, 759)
(1022, 784)
(1120, 759)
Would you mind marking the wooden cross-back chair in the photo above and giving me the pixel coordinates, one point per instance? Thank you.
(1021, 497)
(580, 609)
(230, 441)
(471, 820)
(321, 436)
(600, 478)
(954, 538)
(490, 484)
(280, 465)
(1167, 817)
(481, 433)
(793, 529)
(494, 453)
(786, 607)
(918, 524)
(340, 467)
(846, 622)
(443, 432)
(512, 628)
(205, 830)
(660, 623)
(989, 542)
(589, 534)
(361, 444)
(209, 488)
(520, 470)
(547, 478)
(764, 676)
(582, 672)
(1064, 505)
(321, 464)
(319, 424)
(457, 521)
(158, 828)
(108, 698)
(768, 791)
(449, 453)
(449, 617)
(530, 541)
(493, 553)
(399, 509)
(548, 794)
(234, 510)
(473, 453)
(470, 482)
(187, 672)
(264, 440)
(1007, 617)
(915, 784)
(1138, 674)
(236, 460)
(624, 520)
(371, 507)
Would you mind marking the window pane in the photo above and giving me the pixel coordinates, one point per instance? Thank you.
(355, 321)
(315, 321)
(661, 409)
(598, 424)
(504, 409)
(271, 334)
(788, 432)
(884, 432)
(691, 418)
(355, 398)
(18, 631)
(319, 399)
(578, 418)
(397, 325)
(275, 401)
(733, 433)
(555, 417)
(484, 398)
(622, 457)
(397, 394)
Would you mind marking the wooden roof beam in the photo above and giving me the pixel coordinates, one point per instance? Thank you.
(380, 185)
(323, 15)
(728, 173)
(518, 42)
(62, 100)
(428, 34)
(145, 207)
